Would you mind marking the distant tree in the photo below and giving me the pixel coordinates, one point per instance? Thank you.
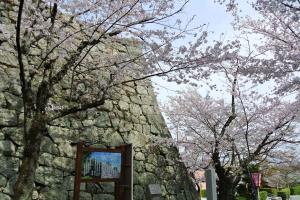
(282, 175)
(231, 135)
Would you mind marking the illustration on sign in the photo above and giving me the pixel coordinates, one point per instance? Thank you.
(101, 165)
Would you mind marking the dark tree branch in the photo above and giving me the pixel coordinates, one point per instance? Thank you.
(79, 108)
(72, 34)
(58, 77)
(199, 134)
(19, 50)
(233, 114)
(290, 141)
(178, 67)
(287, 26)
(247, 124)
(290, 6)
(53, 13)
(20, 62)
(268, 135)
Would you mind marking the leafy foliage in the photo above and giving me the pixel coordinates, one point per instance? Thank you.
(271, 191)
(283, 194)
(203, 193)
(263, 195)
(295, 190)
(286, 190)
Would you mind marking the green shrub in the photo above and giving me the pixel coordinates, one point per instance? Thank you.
(272, 191)
(295, 190)
(287, 191)
(263, 195)
(203, 193)
(283, 194)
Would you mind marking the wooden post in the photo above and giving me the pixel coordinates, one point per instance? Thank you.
(117, 190)
(128, 186)
(78, 170)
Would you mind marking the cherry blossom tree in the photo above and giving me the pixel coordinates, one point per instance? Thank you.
(72, 54)
(232, 134)
(277, 25)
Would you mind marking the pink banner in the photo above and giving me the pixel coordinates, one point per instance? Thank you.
(256, 178)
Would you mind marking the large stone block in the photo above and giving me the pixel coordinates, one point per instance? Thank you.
(46, 159)
(68, 183)
(147, 178)
(141, 90)
(54, 193)
(7, 147)
(49, 147)
(139, 156)
(138, 192)
(3, 181)
(10, 185)
(64, 164)
(104, 197)
(8, 166)
(123, 105)
(48, 176)
(4, 197)
(7, 117)
(135, 109)
(103, 120)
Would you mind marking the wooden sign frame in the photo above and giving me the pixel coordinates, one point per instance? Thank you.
(123, 184)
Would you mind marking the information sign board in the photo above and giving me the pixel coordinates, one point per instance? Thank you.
(96, 165)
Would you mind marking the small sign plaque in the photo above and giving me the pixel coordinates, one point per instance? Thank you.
(154, 189)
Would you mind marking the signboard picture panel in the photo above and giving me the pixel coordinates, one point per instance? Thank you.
(101, 165)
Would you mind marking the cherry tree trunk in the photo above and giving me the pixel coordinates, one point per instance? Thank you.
(228, 182)
(227, 188)
(32, 142)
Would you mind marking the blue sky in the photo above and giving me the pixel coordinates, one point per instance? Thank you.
(208, 12)
(215, 16)
(218, 21)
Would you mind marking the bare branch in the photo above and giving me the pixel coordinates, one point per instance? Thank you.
(78, 108)
(290, 6)
(21, 64)
(268, 135)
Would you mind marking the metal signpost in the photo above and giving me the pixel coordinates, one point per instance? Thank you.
(96, 165)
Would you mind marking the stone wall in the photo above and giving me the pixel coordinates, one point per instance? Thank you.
(131, 115)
